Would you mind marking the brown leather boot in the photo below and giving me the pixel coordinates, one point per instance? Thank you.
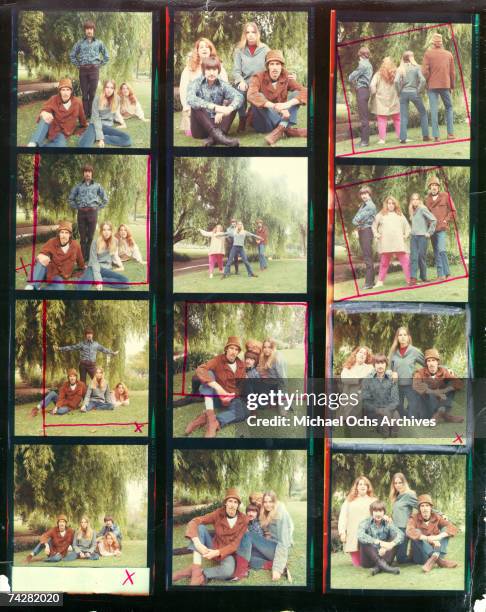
(429, 564)
(295, 132)
(450, 418)
(182, 573)
(196, 423)
(219, 137)
(446, 563)
(197, 576)
(212, 425)
(241, 569)
(275, 135)
(439, 417)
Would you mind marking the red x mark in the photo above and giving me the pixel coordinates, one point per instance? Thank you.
(128, 578)
(23, 267)
(458, 439)
(138, 427)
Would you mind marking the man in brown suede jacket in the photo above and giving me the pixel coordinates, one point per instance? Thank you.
(229, 527)
(442, 207)
(57, 542)
(71, 394)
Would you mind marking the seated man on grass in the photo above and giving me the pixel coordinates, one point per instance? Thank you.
(56, 542)
(69, 398)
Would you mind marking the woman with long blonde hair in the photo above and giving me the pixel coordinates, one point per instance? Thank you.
(404, 359)
(216, 247)
(98, 395)
(104, 262)
(403, 501)
(391, 229)
(271, 363)
(120, 395)
(384, 98)
(410, 84)
(127, 247)
(105, 114)
(108, 546)
(423, 226)
(84, 543)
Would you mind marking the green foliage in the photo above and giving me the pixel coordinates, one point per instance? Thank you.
(76, 480)
(282, 30)
(46, 39)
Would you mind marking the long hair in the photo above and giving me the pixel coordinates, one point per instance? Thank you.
(121, 396)
(88, 534)
(131, 94)
(351, 360)
(194, 62)
(94, 381)
(217, 228)
(393, 492)
(106, 245)
(388, 70)
(265, 517)
(114, 542)
(407, 60)
(411, 209)
(394, 345)
(111, 102)
(129, 238)
(384, 208)
(242, 43)
(353, 491)
(265, 363)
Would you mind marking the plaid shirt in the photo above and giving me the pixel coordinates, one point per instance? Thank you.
(201, 95)
(87, 195)
(379, 392)
(369, 531)
(87, 350)
(86, 53)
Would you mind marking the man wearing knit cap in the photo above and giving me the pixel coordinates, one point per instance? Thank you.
(436, 386)
(57, 260)
(439, 72)
(430, 533)
(229, 527)
(56, 541)
(275, 98)
(60, 117)
(442, 207)
(70, 396)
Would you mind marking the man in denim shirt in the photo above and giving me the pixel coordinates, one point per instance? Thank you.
(378, 539)
(361, 79)
(206, 95)
(88, 348)
(363, 220)
(87, 198)
(88, 55)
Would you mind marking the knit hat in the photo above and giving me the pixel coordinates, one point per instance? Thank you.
(88, 330)
(437, 37)
(233, 494)
(234, 341)
(274, 56)
(65, 225)
(65, 82)
(433, 180)
(432, 354)
(256, 498)
(72, 372)
(253, 349)
(62, 517)
(424, 499)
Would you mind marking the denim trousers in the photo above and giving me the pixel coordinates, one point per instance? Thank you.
(40, 134)
(39, 274)
(238, 251)
(421, 551)
(418, 256)
(225, 568)
(439, 241)
(111, 136)
(261, 256)
(110, 278)
(416, 100)
(445, 95)
(265, 120)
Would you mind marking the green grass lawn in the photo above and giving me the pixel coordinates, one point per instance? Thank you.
(134, 554)
(183, 415)
(134, 271)
(288, 276)
(138, 130)
(297, 558)
(137, 411)
(249, 138)
(345, 576)
(451, 291)
(453, 150)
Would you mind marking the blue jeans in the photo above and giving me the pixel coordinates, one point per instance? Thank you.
(407, 392)
(265, 120)
(50, 397)
(225, 568)
(40, 135)
(439, 240)
(261, 550)
(421, 551)
(401, 549)
(445, 95)
(235, 412)
(242, 109)
(111, 136)
(72, 556)
(99, 406)
(261, 256)
(431, 403)
(114, 280)
(418, 256)
(39, 274)
(238, 251)
(405, 98)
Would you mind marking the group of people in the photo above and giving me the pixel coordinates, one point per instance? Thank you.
(74, 393)
(259, 539)
(210, 102)
(98, 118)
(389, 92)
(94, 260)
(225, 380)
(63, 543)
(374, 539)
(232, 243)
(429, 219)
(407, 382)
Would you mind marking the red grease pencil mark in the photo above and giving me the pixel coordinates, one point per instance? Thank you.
(129, 577)
(44, 363)
(390, 34)
(466, 102)
(35, 200)
(147, 217)
(348, 109)
(348, 248)
(23, 267)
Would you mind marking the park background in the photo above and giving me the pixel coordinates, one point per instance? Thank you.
(200, 481)
(119, 325)
(454, 180)
(284, 30)
(441, 476)
(213, 190)
(45, 40)
(57, 175)
(79, 480)
(203, 328)
(394, 46)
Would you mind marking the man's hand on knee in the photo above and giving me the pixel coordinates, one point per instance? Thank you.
(45, 260)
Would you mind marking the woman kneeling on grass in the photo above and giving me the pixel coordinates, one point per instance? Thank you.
(216, 248)
(391, 229)
(108, 546)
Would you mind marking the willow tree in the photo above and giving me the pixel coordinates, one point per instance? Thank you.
(46, 39)
(113, 322)
(203, 476)
(58, 174)
(75, 480)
